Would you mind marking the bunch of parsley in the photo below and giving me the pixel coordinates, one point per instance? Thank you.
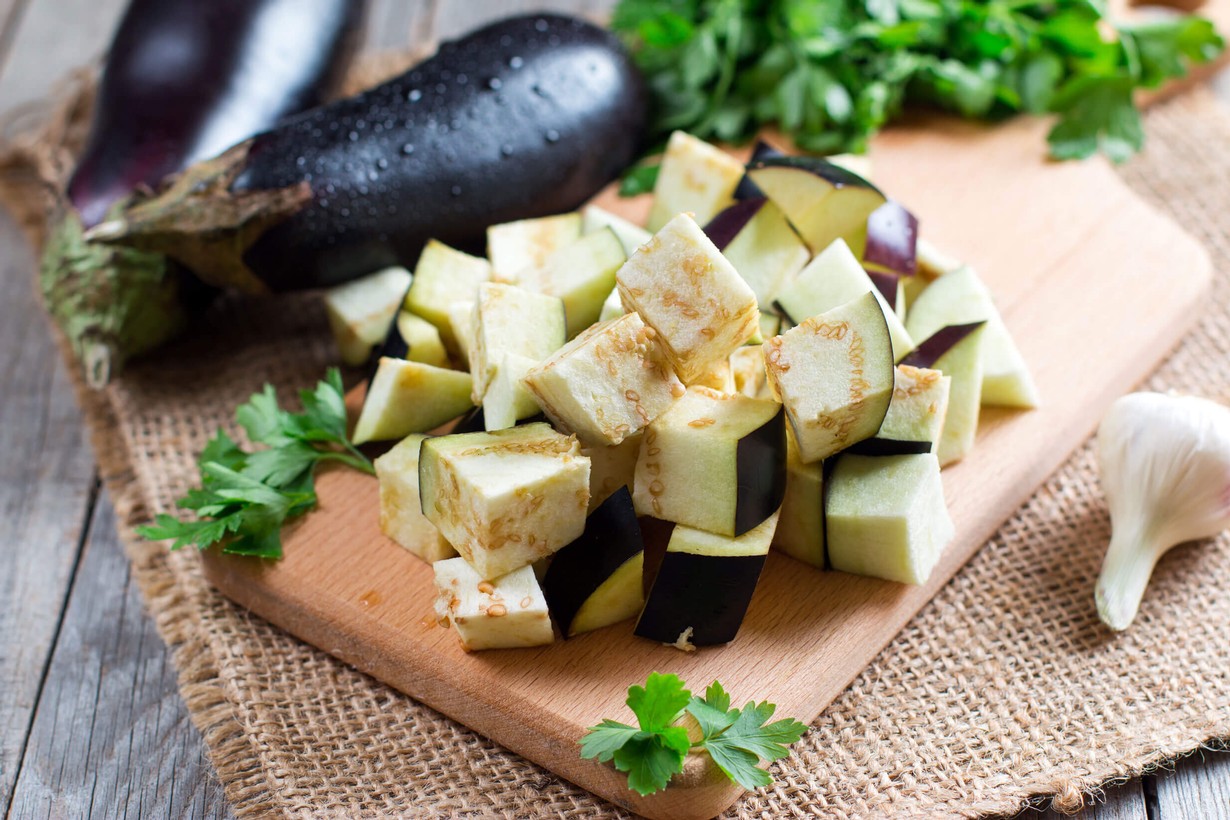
(651, 754)
(831, 73)
(246, 496)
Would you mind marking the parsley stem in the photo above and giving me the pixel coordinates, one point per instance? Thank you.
(354, 459)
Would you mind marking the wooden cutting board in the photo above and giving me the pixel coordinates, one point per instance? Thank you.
(1096, 286)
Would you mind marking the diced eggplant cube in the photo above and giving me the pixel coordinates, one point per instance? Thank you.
(684, 289)
(462, 328)
(509, 319)
(507, 498)
(410, 397)
(919, 406)
(834, 374)
(361, 311)
(886, 517)
(770, 326)
(704, 585)
(611, 467)
(800, 527)
(441, 277)
(581, 274)
(501, 613)
(832, 279)
(956, 351)
(526, 243)
(713, 461)
(756, 238)
(401, 514)
(608, 383)
(596, 580)
(695, 177)
(508, 401)
(747, 371)
(892, 240)
(632, 236)
(960, 297)
(823, 201)
(613, 307)
(415, 339)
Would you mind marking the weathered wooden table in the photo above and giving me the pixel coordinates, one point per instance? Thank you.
(91, 722)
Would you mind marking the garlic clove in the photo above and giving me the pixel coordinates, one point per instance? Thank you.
(1165, 467)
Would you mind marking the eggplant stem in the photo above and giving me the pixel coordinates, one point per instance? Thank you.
(1129, 563)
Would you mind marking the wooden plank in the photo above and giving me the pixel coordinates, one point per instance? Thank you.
(111, 736)
(46, 478)
(10, 17)
(456, 17)
(1125, 802)
(1199, 787)
(54, 38)
(371, 603)
(397, 24)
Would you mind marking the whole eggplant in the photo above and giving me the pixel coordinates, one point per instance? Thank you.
(525, 117)
(184, 79)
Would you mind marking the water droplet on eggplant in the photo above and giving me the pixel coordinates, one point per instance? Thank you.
(415, 95)
(407, 149)
(494, 83)
(456, 190)
(506, 150)
(382, 163)
(515, 62)
(541, 25)
(552, 135)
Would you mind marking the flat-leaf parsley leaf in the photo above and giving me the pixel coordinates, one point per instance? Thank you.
(831, 74)
(246, 497)
(736, 739)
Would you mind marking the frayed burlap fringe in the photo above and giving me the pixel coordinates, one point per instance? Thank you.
(1004, 692)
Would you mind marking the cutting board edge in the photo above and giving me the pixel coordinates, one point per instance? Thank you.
(697, 794)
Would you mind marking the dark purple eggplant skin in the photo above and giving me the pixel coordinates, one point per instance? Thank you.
(526, 117)
(187, 79)
(611, 538)
(937, 344)
(724, 227)
(746, 188)
(710, 594)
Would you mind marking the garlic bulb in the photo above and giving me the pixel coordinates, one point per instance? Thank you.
(1165, 464)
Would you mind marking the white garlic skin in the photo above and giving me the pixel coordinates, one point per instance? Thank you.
(1165, 466)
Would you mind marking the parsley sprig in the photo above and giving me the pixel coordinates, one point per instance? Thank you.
(246, 496)
(831, 73)
(736, 739)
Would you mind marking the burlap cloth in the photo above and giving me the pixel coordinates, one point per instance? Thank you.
(1004, 691)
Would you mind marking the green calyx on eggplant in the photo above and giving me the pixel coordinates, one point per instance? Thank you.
(526, 117)
(238, 67)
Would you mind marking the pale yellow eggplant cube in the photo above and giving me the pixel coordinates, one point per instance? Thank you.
(508, 319)
(401, 513)
(885, 517)
(608, 383)
(502, 613)
(684, 289)
(506, 498)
